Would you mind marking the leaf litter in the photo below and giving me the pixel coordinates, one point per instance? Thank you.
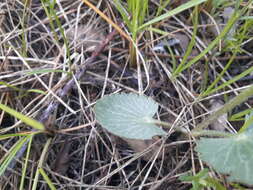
(93, 158)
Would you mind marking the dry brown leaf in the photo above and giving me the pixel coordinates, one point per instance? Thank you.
(62, 159)
(184, 40)
(141, 145)
(85, 36)
(221, 123)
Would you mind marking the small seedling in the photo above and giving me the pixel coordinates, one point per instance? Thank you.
(136, 12)
(202, 180)
(131, 116)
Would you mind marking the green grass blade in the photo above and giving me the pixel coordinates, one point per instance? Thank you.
(41, 71)
(173, 58)
(248, 124)
(175, 11)
(37, 91)
(122, 12)
(47, 179)
(241, 115)
(21, 186)
(10, 86)
(2, 137)
(58, 22)
(44, 4)
(21, 90)
(27, 120)
(4, 163)
(229, 25)
(243, 74)
(42, 157)
(192, 42)
(162, 6)
(158, 31)
(143, 7)
(211, 86)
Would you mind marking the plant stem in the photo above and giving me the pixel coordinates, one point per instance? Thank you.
(210, 133)
(194, 133)
(132, 53)
(42, 158)
(162, 123)
(169, 125)
(21, 186)
(243, 96)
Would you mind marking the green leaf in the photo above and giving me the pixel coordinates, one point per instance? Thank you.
(201, 175)
(27, 120)
(123, 12)
(202, 180)
(128, 115)
(248, 124)
(170, 13)
(232, 155)
(241, 115)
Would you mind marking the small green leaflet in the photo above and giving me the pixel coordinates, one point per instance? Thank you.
(128, 115)
(231, 155)
(201, 180)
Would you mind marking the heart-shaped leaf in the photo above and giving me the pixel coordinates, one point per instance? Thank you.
(231, 155)
(128, 115)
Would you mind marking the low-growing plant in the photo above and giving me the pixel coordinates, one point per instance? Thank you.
(131, 116)
(134, 14)
(202, 180)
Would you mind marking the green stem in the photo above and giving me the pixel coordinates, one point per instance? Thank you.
(169, 125)
(194, 133)
(21, 186)
(162, 123)
(211, 133)
(42, 158)
(243, 96)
